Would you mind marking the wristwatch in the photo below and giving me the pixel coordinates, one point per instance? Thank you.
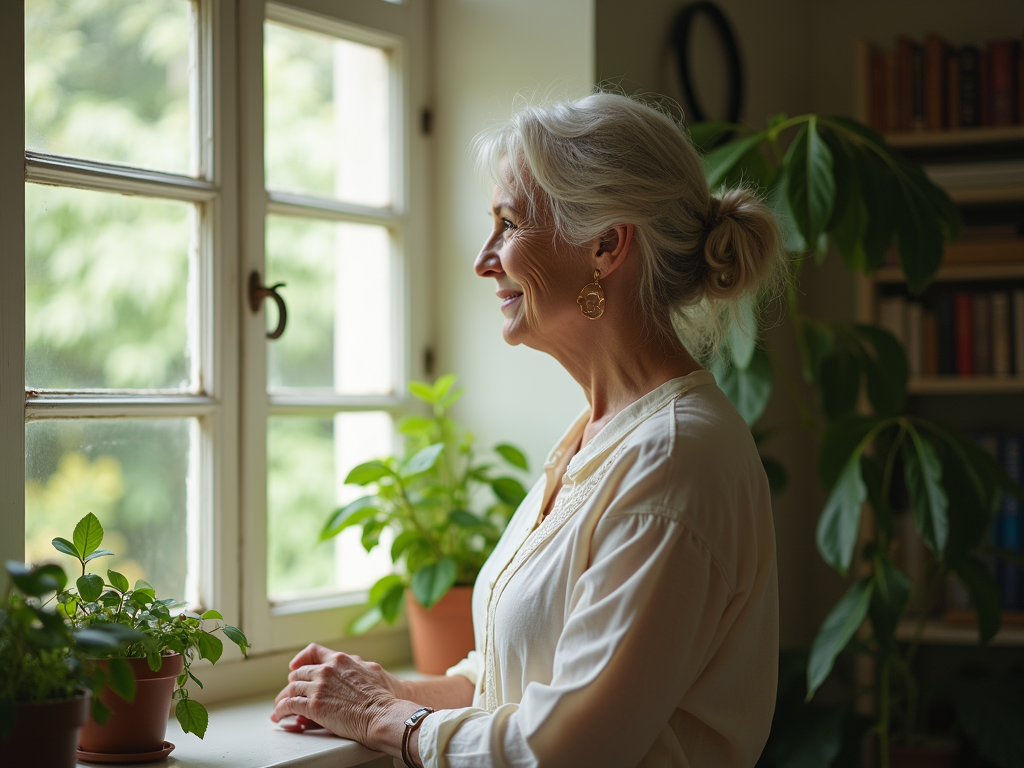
(411, 725)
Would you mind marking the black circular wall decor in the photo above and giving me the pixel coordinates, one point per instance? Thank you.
(680, 42)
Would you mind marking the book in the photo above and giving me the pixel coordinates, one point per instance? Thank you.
(935, 82)
(981, 322)
(1001, 357)
(878, 78)
(970, 106)
(915, 338)
(984, 88)
(1009, 533)
(963, 324)
(952, 90)
(981, 251)
(892, 101)
(946, 339)
(918, 119)
(1018, 332)
(892, 315)
(1003, 73)
(930, 331)
(904, 81)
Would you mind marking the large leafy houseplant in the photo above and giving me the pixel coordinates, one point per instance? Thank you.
(154, 630)
(838, 186)
(425, 497)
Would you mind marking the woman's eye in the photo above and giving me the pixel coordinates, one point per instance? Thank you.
(508, 225)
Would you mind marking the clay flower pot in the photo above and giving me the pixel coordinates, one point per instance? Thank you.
(137, 727)
(443, 635)
(46, 733)
(933, 755)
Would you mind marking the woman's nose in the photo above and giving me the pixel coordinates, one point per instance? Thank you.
(487, 263)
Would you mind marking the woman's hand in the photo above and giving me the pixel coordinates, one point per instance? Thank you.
(348, 696)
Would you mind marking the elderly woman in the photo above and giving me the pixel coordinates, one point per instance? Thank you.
(629, 614)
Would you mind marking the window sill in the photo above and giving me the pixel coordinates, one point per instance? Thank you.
(240, 735)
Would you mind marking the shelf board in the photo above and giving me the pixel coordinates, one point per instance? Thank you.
(965, 385)
(1004, 193)
(956, 138)
(950, 272)
(939, 632)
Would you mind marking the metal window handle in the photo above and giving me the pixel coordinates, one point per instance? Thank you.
(258, 292)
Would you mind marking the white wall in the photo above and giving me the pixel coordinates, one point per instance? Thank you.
(487, 51)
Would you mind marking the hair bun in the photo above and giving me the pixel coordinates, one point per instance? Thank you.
(739, 245)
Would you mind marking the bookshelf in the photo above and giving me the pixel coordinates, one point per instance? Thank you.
(982, 169)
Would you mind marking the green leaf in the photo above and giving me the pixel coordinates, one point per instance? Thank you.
(402, 542)
(839, 382)
(65, 546)
(117, 581)
(984, 592)
(423, 391)
(512, 455)
(442, 385)
(920, 238)
(88, 535)
(743, 333)
(718, 162)
(37, 581)
(839, 523)
(704, 135)
(192, 716)
(794, 241)
(923, 472)
(886, 368)
(211, 614)
(100, 711)
(888, 601)
(509, 490)
(422, 460)
(235, 635)
(384, 585)
(98, 553)
(122, 679)
(193, 678)
(415, 425)
(95, 638)
(366, 622)
(810, 184)
(464, 519)
(391, 604)
(748, 389)
(430, 583)
(210, 647)
(836, 631)
(351, 514)
(90, 587)
(842, 439)
(367, 473)
(372, 529)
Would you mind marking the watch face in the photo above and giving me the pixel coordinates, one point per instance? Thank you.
(418, 715)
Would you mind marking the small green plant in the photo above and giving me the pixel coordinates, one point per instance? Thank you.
(96, 602)
(425, 498)
(42, 655)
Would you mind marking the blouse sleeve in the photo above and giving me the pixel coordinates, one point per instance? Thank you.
(644, 620)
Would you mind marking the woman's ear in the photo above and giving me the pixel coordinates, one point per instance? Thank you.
(611, 249)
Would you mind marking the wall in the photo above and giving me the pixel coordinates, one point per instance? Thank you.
(487, 51)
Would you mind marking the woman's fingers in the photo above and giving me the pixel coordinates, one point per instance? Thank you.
(307, 672)
(311, 654)
(286, 706)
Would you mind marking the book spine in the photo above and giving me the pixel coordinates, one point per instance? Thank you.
(963, 308)
(946, 337)
(1004, 86)
(1009, 528)
(877, 96)
(970, 115)
(952, 90)
(931, 343)
(904, 81)
(981, 306)
(892, 91)
(984, 89)
(934, 82)
(1001, 357)
(915, 338)
(918, 120)
(1018, 332)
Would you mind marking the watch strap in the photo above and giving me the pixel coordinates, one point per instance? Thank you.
(414, 721)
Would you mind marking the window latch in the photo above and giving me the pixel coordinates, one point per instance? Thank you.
(258, 292)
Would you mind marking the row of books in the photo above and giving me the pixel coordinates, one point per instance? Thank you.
(959, 332)
(935, 86)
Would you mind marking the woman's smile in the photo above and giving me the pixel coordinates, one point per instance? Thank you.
(508, 297)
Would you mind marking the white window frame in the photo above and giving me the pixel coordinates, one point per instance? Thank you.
(231, 493)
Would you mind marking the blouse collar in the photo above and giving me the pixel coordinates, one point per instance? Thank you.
(624, 422)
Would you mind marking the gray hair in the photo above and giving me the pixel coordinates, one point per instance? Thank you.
(608, 159)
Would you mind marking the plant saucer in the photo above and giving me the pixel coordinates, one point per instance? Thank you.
(127, 757)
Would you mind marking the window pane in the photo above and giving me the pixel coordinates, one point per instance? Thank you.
(327, 116)
(307, 462)
(110, 80)
(132, 474)
(107, 285)
(338, 290)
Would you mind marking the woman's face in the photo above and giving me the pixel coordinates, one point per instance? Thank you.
(537, 274)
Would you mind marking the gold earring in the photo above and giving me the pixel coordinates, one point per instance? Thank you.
(591, 298)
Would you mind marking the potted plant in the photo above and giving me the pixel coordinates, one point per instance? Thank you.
(45, 688)
(157, 661)
(425, 497)
(838, 184)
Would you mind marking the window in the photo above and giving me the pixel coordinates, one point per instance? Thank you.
(172, 149)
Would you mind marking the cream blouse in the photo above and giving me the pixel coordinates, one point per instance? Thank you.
(637, 624)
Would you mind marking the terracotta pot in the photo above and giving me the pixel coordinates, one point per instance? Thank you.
(139, 726)
(46, 734)
(443, 635)
(935, 755)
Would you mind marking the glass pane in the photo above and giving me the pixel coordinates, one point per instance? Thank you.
(307, 462)
(132, 474)
(327, 116)
(107, 285)
(338, 291)
(110, 80)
